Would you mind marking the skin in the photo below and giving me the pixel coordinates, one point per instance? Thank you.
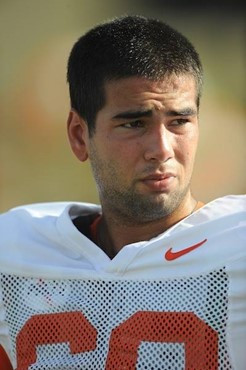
(142, 155)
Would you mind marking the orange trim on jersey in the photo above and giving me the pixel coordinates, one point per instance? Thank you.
(94, 229)
(5, 363)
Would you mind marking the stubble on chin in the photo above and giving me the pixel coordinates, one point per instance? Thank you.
(132, 207)
(128, 205)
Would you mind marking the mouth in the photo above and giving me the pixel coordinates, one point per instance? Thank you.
(159, 182)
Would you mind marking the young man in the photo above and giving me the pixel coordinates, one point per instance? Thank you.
(152, 279)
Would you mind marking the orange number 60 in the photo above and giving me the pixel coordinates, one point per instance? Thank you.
(200, 340)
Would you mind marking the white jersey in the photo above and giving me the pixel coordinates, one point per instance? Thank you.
(177, 301)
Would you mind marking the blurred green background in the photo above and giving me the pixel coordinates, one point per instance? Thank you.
(36, 37)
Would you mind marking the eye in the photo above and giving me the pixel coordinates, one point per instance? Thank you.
(180, 122)
(133, 124)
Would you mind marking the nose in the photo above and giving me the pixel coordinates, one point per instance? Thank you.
(159, 144)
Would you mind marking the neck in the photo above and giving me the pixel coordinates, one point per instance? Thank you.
(114, 233)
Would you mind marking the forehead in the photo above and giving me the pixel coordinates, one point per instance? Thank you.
(141, 92)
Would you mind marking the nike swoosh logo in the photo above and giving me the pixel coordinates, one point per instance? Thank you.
(170, 255)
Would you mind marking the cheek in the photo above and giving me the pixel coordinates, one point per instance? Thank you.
(127, 153)
(186, 151)
(126, 162)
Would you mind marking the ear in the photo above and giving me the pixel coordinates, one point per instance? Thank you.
(78, 135)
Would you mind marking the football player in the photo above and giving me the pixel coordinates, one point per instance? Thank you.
(151, 278)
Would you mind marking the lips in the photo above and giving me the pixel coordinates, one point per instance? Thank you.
(159, 182)
(158, 177)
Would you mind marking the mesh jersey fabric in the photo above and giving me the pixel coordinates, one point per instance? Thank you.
(65, 305)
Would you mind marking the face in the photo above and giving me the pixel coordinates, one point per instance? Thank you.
(144, 145)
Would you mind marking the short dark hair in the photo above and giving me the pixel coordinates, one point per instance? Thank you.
(124, 47)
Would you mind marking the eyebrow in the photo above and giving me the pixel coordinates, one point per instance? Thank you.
(134, 114)
(149, 113)
(182, 112)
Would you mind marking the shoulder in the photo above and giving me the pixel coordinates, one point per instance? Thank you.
(27, 214)
(228, 204)
(23, 218)
(225, 216)
(35, 238)
(222, 223)
(38, 222)
(224, 210)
